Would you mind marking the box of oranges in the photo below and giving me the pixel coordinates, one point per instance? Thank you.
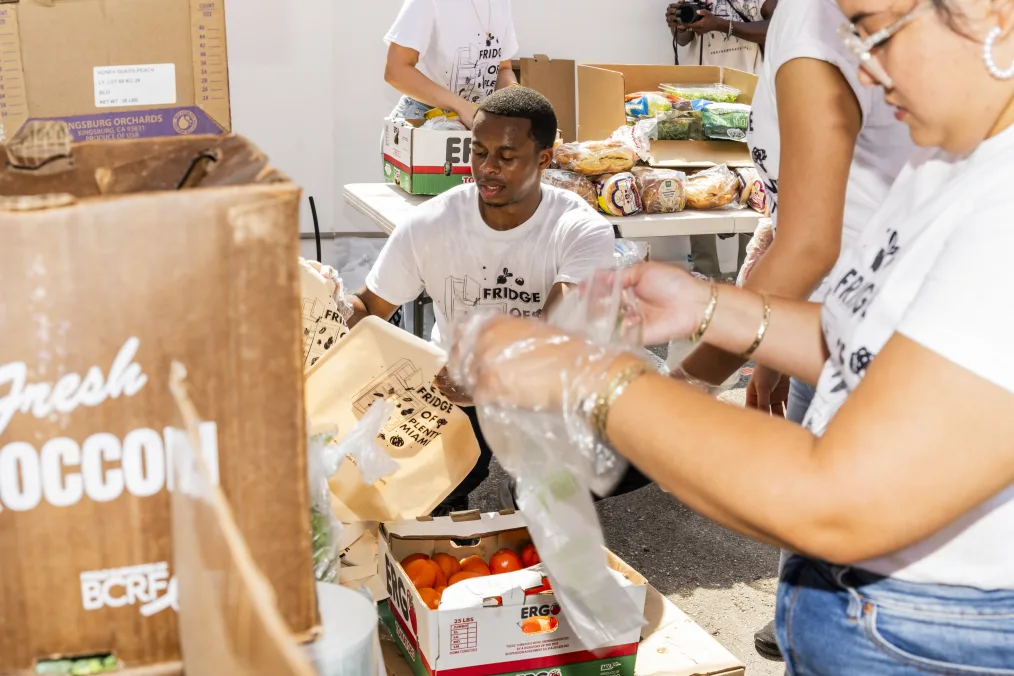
(468, 594)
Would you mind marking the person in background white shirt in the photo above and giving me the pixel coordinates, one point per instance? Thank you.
(828, 150)
(731, 34)
(898, 491)
(450, 54)
(506, 244)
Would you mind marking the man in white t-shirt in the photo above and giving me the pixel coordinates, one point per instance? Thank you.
(505, 244)
(450, 54)
(727, 33)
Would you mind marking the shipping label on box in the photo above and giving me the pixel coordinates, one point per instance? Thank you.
(491, 625)
(426, 161)
(85, 63)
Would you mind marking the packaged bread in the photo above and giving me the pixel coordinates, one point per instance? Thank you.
(593, 158)
(752, 192)
(574, 182)
(618, 194)
(713, 188)
(662, 191)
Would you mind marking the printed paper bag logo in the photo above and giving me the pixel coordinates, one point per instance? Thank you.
(136, 585)
(421, 413)
(64, 471)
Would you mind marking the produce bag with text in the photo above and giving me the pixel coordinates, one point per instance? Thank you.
(558, 461)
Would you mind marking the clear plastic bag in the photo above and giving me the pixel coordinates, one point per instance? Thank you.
(718, 93)
(726, 121)
(593, 158)
(325, 529)
(663, 191)
(712, 188)
(361, 447)
(628, 253)
(574, 182)
(557, 460)
(755, 250)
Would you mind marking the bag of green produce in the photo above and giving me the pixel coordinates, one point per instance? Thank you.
(719, 93)
(726, 121)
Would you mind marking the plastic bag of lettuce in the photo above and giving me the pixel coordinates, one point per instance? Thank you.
(726, 121)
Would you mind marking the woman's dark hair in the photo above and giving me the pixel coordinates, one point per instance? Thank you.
(948, 14)
(526, 104)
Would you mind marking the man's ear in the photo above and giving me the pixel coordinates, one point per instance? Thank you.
(546, 158)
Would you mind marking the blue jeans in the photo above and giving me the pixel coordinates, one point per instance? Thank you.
(800, 397)
(835, 621)
(409, 109)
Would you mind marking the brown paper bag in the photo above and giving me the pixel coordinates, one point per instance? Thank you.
(429, 437)
(323, 324)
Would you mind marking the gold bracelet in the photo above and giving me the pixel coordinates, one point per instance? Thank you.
(611, 393)
(763, 330)
(709, 314)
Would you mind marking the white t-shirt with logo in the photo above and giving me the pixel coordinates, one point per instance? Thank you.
(933, 265)
(460, 42)
(718, 49)
(446, 249)
(807, 29)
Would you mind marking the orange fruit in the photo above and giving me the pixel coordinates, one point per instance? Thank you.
(430, 597)
(463, 575)
(475, 564)
(440, 590)
(504, 561)
(412, 557)
(440, 578)
(530, 556)
(422, 573)
(448, 564)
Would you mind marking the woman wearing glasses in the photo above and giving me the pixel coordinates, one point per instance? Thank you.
(898, 491)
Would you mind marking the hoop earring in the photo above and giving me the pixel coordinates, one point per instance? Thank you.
(987, 56)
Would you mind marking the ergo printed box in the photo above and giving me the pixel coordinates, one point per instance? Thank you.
(115, 69)
(426, 161)
(485, 639)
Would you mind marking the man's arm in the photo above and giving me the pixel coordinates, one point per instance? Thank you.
(402, 74)
(810, 213)
(365, 303)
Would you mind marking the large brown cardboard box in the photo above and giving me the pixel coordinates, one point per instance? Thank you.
(554, 79)
(110, 271)
(115, 69)
(601, 110)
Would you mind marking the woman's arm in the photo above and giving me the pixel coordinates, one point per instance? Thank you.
(919, 443)
(505, 78)
(816, 158)
(402, 74)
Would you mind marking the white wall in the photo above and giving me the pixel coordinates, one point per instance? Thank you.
(308, 87)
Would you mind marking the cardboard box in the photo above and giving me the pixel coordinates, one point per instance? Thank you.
(228, 616)
(556, 80)
(672, 645)
(601, 91)
(109, 273)
(426, 161)
(484, 635)
(115, 69)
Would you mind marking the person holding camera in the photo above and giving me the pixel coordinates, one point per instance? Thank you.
(728, 33)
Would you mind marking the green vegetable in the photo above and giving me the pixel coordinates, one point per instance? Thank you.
(325, 563)
(87, 666)
(718, 93)
(680, 126)
(726, 121)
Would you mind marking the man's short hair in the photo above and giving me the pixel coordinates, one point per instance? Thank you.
(527, 104)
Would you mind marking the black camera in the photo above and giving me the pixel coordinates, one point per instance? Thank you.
(686, 13)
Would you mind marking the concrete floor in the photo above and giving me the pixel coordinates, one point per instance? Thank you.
(725, 582)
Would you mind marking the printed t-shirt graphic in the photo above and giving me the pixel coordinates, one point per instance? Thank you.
(446, 249)
(461, 43)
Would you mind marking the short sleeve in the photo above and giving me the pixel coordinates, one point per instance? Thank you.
(414, 25)
(690, 54)
(810, 32)
(961, 312)
(510, 36)
(395, 276)
(588, 246)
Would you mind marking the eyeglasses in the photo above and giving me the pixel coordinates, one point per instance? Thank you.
(863, 47)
